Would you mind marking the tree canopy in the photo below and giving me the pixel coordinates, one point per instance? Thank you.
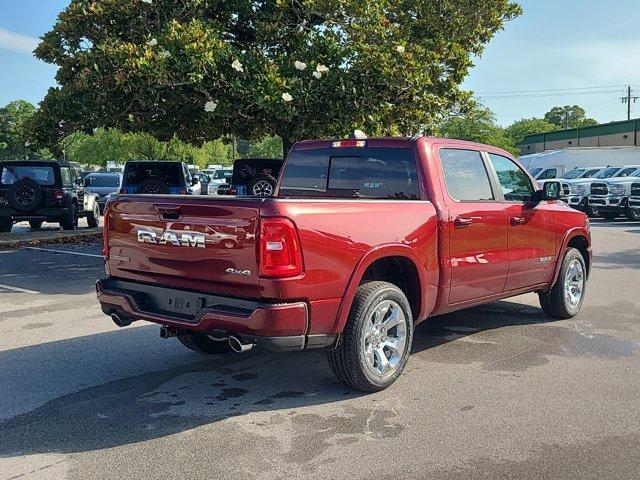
(201, 69)
(568, 117)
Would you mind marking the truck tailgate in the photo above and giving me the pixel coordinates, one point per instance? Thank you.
(186, 242)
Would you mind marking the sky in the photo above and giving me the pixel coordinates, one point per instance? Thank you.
(560, 52)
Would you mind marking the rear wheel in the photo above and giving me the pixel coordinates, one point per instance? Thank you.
(35, 224)
(70, 220)
(93, 218)
(565, 298)
(376, 342)
(202, 343)
(609, 216)
(633, 214)
(5, 224)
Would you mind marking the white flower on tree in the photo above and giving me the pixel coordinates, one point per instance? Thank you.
(287, 97)
(400, 49)
(210, 106)
(322, 68)
(153, 42)
(237, 66)
(147, 1)
(299, 65)
(317, 74)
(165, 54)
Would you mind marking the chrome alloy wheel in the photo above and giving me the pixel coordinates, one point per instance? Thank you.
(574, 284)
(263, 189)
(384, 338)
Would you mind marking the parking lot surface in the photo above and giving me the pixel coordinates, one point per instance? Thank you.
(498, 391)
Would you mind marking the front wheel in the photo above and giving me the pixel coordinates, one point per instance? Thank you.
(633, 214)
(202, 343)
(565, 298)
(376, 342)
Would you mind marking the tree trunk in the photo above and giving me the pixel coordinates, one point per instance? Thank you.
(287, 143)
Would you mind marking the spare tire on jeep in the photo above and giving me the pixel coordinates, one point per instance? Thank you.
(153, 186)
(25, 195)
(263, 185)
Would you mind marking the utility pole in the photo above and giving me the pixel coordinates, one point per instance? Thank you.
(628, 99)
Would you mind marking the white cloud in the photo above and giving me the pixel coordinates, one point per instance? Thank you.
(605, 60)
(16, 42)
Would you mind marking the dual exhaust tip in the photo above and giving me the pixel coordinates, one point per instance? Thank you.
(235, 342)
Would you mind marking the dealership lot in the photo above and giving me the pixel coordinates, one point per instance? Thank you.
(495, 392)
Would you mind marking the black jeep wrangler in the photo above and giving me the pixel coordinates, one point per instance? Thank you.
(41, 190)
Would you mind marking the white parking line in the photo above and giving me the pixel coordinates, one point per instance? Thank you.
(51, 250)
(18, 289)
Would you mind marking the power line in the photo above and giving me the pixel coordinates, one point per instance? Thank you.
(545, 95)
(546, 90)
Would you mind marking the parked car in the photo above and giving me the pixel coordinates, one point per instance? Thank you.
(253, 176)
(611, 197)
(634, 199)
(103, 184)
(157, 177)
(365, 239)
(220, 178)
(40, 190)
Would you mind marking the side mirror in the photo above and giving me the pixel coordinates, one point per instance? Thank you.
(550, 191)
(87, 182)
(194, 180)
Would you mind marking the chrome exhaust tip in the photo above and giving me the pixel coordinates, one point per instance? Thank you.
(238, 345)
(120, 321)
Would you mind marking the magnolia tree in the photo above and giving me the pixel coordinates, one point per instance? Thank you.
(201, 69)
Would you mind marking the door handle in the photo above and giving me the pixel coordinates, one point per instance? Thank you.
(515, 221)
(167, 208)
(463, 222)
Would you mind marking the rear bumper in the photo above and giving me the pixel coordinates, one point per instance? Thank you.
(40, 213)
(280, 326)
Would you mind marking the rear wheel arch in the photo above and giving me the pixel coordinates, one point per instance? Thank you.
(382, 265)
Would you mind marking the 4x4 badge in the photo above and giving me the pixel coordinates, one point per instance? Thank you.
(234, 271)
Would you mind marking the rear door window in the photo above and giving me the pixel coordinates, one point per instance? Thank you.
(67, 179)
(371, 173)
(465, 174)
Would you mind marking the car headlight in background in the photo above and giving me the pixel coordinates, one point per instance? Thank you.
(577, 189)
(617, 189)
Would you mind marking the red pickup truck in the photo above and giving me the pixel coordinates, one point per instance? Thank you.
(363, 239)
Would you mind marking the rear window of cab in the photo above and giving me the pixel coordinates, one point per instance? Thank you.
(366, 173)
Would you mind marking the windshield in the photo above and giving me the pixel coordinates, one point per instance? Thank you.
(42, 174)
(222, 174)
(590, 173)
(105, 180)
(574, 173)
(608, 173)
(535, 171)
(166, 172)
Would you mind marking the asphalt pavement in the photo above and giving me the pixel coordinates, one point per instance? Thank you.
(498, 391)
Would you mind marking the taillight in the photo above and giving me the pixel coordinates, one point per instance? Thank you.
(105, 232)
(124, 190)
(59, 194)
(280, 253)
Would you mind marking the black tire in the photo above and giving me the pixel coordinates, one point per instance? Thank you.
(553, 301)
(263, 185)
(153, 186)
(6, 223)
(348, 360)
(609, 216)
(25, 195)
(35, 224)
(592, 212)
(204, 344)
(93, 217)
(632, 214)
(70, 220)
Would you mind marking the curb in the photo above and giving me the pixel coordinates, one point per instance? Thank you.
(8, 241)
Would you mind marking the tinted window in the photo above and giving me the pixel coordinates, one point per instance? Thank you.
(626, 172)
(13, 173)
(167, 173)
(573, 173)
(104, 180)
(607, 173)
(590, 173)
(549, 173)
(378, 173)
(516, 185)
(535, 171)
(465, 174)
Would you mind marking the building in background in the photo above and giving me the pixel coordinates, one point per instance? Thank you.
(614, 134)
